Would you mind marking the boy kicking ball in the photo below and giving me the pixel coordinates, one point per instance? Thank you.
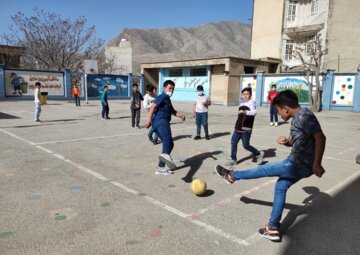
(308, 144)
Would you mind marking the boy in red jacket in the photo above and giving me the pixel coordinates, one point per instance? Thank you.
(273, 112)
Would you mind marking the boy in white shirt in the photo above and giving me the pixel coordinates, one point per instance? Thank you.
(200, 111)
(37, 102)
(243, 128)
(149, 98)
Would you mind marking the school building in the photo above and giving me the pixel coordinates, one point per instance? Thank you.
(220, 77)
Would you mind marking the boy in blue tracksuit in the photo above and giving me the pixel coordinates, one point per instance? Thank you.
(105, 104)
(159, 118)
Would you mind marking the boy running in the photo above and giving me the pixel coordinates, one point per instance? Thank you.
(159, 118)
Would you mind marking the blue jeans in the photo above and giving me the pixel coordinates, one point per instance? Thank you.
(273, 113)
(77, 100)
(105, 110)
(151, 132)
(288, 173)
(202, 119)
(162, 128)
(245, 137)
(37, 111)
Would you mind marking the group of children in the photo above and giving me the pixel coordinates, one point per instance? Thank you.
(306, 139)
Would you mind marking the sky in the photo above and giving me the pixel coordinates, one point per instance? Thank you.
(110, 17)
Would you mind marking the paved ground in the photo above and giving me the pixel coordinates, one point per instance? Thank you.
(76, 184)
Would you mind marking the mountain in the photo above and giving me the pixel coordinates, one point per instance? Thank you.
(206, 41)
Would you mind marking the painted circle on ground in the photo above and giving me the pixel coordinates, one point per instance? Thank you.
(342, 97)
(348, 79)
(333, 102)
(105, 204)
(60, 217)
(343, 86)
(350, 86)
(337, 92)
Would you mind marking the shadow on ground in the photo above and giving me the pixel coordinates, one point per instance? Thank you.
(326, 225)
(195, 163)
(8, 116)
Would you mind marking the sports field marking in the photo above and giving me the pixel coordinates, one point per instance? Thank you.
(151, 200)
(229, 200)
(97, 137)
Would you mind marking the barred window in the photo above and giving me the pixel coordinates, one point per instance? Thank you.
(176, 72)
(198, 72)
(289, 47)
(314, 7)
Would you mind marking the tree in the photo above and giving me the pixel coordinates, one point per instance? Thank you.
(52, 42)
(312, 65)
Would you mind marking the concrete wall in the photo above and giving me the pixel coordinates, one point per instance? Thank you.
(267, 27)
(122, 57)
(343, 36)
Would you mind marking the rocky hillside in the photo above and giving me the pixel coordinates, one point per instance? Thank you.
(205, 41)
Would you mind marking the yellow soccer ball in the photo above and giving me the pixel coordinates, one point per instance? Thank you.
(198, 187)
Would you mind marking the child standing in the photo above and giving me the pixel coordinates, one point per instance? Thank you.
(149, 98)
(105, 104)
(135, 106)
(37, 102)
(75, 92)
(159, 117)
(273, 112)
(308, 145)
(200, 111)
(15, 81)
(243, 129)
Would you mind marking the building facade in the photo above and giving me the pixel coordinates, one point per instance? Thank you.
(282, 27)
(220, 77)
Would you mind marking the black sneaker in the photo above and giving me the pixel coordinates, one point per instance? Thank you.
(272, 234)
(224, 173)
(197, 137)
(207, 137)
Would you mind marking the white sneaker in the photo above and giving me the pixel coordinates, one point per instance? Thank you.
(163, 171)
(231, 162)
(276, 124)
(166, 158)
(260, 158)
(271, 123)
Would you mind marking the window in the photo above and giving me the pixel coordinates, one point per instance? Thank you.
(291, 15)
(198, 72)
(309, 44)
(314, 7)
(289, 47)
(175, 72)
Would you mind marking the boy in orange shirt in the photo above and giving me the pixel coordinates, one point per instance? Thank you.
(75, 92)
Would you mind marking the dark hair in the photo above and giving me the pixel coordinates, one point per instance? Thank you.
(286, 98)
(135, 84)
(12, 74)
(105, 86)
(37, 84)
(200, 88)
(149, 87)
(168, 82)
(274, 85)
(248, 89)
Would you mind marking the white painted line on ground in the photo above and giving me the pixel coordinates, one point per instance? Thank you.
(97, 137)
(222, 203)
(170, 209)
(17, 137)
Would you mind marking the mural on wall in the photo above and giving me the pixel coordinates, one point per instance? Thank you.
(295, 83)
(249, 82)
(343, 90)
(185, 87)
(22, 83)
(117, 84)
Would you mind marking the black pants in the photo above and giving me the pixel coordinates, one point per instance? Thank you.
(135, 115)
(105, 110)
(77, 100)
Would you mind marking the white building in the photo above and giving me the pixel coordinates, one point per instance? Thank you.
(120, 57)
(282, 26)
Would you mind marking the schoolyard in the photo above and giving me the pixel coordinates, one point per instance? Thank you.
(77, 184)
